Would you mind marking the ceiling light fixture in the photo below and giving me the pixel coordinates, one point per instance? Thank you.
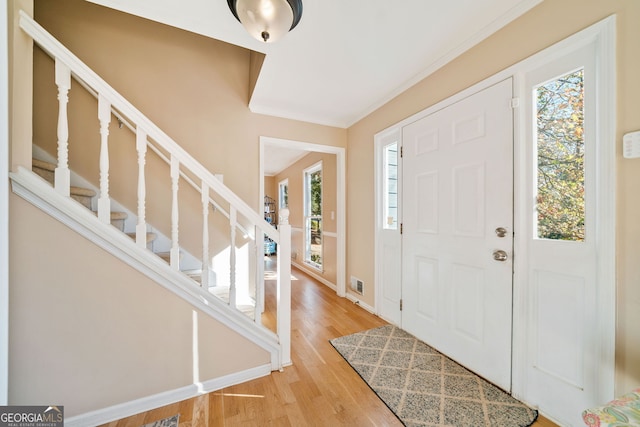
(267, 20)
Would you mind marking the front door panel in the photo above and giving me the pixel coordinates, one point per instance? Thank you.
(458, 190)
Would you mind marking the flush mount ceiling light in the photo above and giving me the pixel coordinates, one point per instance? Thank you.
(267, 20)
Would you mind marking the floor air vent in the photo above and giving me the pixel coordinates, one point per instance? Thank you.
(357, 285)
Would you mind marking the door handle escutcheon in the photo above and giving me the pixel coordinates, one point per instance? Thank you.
(500, 255)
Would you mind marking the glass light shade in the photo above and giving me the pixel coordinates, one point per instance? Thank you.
(265, 20)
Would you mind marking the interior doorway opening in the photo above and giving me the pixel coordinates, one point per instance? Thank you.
(334, 217)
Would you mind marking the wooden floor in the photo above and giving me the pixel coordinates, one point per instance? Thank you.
(320, 389)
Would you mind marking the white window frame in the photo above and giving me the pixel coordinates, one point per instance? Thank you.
(602, 37)
(307, 217)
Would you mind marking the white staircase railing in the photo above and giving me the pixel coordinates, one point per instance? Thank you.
(181, 166)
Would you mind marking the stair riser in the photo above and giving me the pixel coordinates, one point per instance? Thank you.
(118, 223)
(44, 173)
(84, 200)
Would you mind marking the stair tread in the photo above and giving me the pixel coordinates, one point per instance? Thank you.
(164, 255)
(80, 191)
(150, 236)
(116, 216)
(41, 164)
(74, 191)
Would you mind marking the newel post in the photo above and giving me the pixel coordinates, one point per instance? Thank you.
(284, 287)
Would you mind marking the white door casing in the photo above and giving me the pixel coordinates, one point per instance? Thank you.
(457, 192)
(341, 201)
(601, 38)
(388, 241)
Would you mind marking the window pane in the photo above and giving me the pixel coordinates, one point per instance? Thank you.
(284, 195)
(313, 216)
(315, 246)
(316, 193)
(391, 187)
(560, 158)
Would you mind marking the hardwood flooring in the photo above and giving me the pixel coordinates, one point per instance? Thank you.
(320, 389)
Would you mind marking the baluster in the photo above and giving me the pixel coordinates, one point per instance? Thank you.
(205, 235)
(284, 287)
(104, 203)
(233, 221)
(259, 260)
(141, 227)
(175, 248)
(62, 174)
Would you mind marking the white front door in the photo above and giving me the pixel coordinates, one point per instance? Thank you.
(458, 231)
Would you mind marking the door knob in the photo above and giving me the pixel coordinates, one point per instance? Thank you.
(501, 231)
(500, 255)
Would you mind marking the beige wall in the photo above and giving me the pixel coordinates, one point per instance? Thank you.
(200, 89)
(271, 187)
(546, 24)
(20, 85)
(195, 88)
(294, 174)
(86, 329)
(89, 331)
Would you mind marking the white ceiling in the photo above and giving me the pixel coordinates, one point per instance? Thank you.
(346, 57)
(278, 158)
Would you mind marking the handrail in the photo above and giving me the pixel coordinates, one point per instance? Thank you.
(110, 102)
(85, 75)
(125, 122)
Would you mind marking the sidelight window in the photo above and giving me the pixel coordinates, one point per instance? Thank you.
(560, 198)
(390, 182)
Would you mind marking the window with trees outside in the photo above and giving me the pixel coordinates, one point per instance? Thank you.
(313, 215)
(560, 197)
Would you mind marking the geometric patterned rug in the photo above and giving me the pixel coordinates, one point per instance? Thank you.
(167, 422)
(422, 387)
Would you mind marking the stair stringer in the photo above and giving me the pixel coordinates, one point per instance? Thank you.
(39, 193)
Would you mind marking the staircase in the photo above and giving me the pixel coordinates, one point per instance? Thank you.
(85, 197)
(236, 298)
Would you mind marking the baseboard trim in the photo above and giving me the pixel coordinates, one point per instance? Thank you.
(38, 192)
(316, 276)
(144, 404)
(327, 283)
(358, 302)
